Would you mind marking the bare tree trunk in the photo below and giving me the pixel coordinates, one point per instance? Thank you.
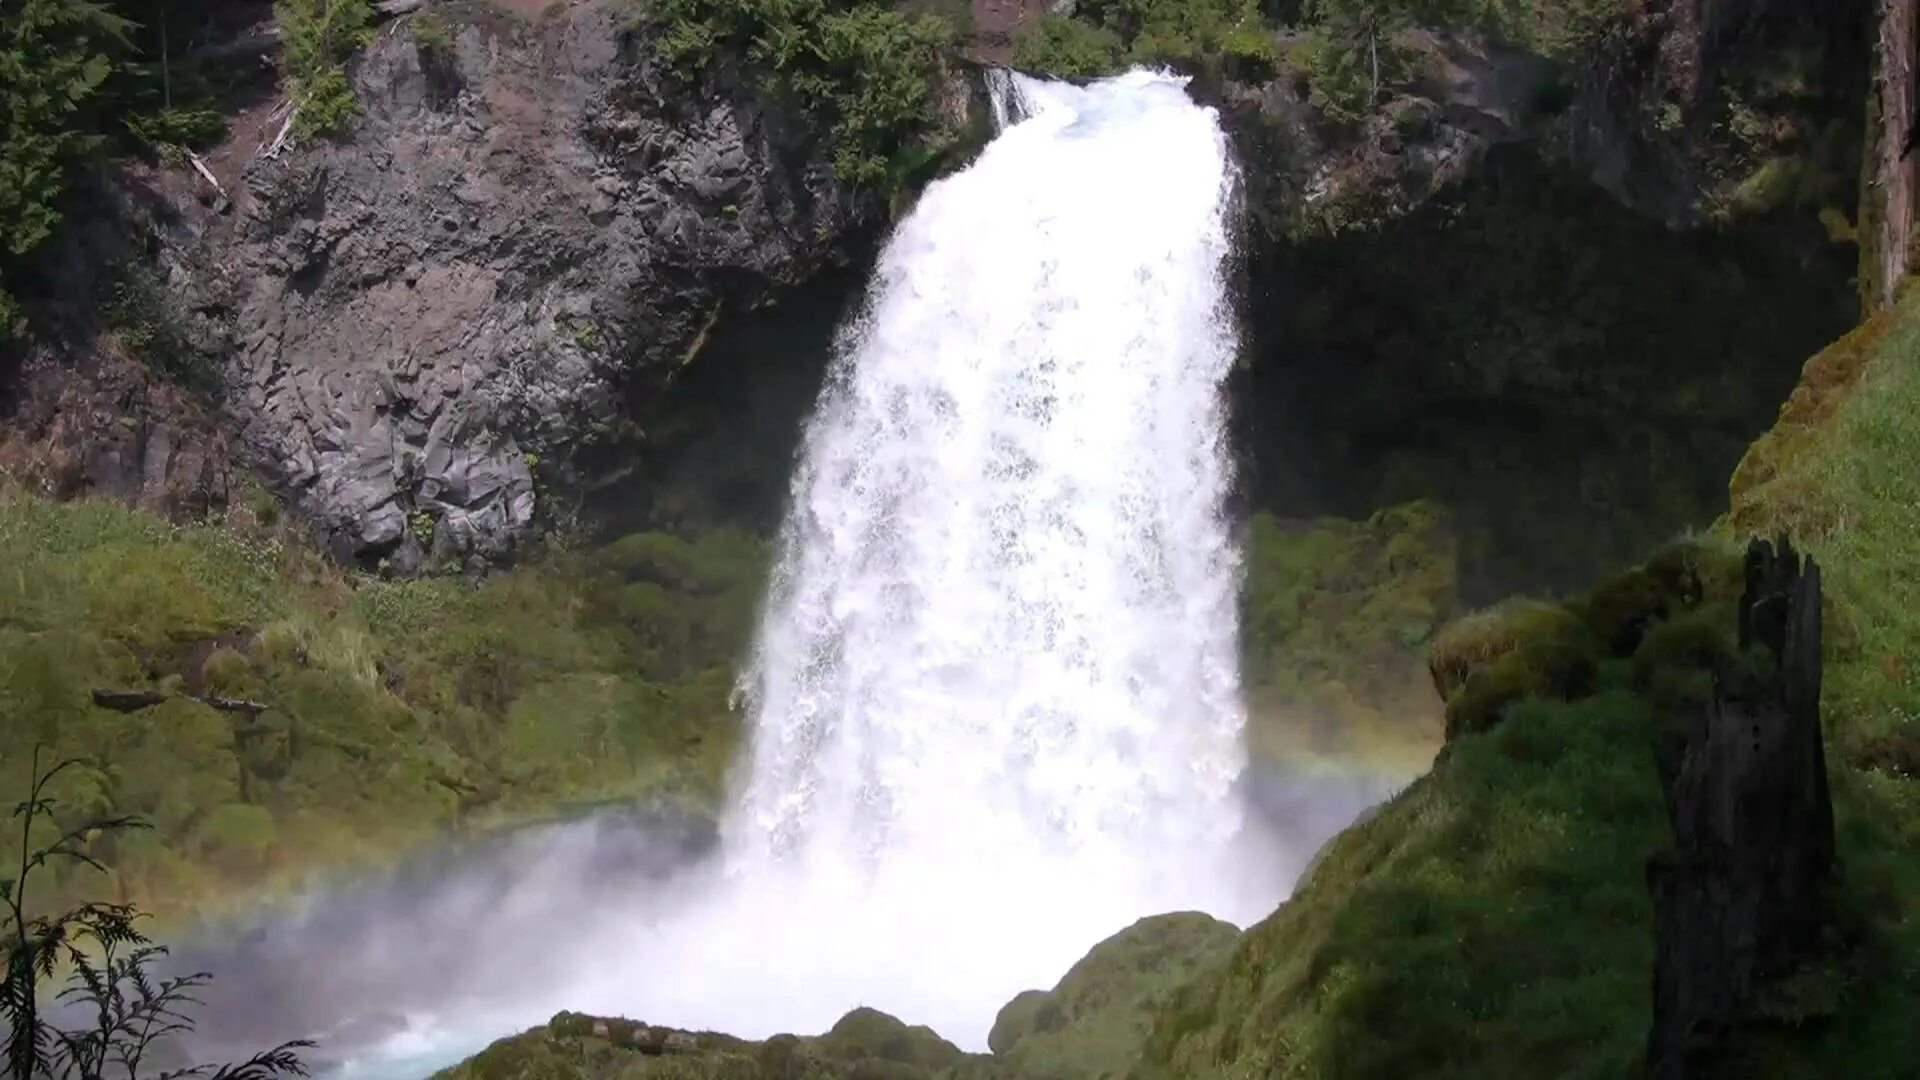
(1887, 200)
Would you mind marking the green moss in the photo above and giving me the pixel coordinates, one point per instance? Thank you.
(1478, 640)
(1094, 1022)
(1841, 474)
(1492, 920)
(864, 1045)
(1336, 617)
(1570, 382)
(395, 710)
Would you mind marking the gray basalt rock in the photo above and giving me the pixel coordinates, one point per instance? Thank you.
(509, 246)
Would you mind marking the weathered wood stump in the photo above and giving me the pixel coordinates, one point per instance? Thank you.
(1742, 900)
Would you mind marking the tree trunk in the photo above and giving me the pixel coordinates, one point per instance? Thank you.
(1887, 198)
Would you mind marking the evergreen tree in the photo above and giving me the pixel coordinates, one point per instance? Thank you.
(56, 57)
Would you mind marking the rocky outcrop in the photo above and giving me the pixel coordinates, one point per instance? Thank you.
(432, 320)
(1693, 109)
(102, 424)
(1094, 1022)
(866, 1044)
(1307, 174)
(1741, 903)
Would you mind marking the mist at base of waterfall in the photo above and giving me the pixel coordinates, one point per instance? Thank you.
(411, 970)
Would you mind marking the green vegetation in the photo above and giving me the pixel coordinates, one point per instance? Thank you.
(1494, 917)
(866, 67)
(1336, 618)
(1839, 473)
(56, 57)
(108, 959)
(1571, 382)
(1069, 47)
(1104, 36)
(151, 324)
(393, 710)
(1094, 1021)
(83, 78)
(865, 1044)
(320, 36)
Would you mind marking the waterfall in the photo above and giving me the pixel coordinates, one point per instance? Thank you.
(994, 702)
(1003, 618)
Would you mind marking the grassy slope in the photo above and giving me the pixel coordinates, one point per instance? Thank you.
(1493, 920)
(399, 710)
(396, 709)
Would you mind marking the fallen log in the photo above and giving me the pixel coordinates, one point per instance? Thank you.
(233, 705)
(127, 701)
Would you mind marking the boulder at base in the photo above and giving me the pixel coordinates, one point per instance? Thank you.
(865, 1044)
(1093, 1023)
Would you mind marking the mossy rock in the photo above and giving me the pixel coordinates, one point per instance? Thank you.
(1094, 1021)
(868, 1033)
(395, 710)
(1476, 641)
(1487, 662)
(865, 1044)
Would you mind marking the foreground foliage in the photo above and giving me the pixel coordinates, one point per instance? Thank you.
(388, 711)
(128, 1011)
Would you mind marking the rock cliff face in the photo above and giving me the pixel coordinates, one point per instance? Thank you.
(1698, 106)
(429, 320)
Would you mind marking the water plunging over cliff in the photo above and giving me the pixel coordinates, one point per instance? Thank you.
(994, 700)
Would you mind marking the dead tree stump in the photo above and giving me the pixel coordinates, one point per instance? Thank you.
(1742, 899)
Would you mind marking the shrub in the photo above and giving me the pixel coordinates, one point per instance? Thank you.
(866, 67)
(149, 321)
(320, 36)
(1062, 46)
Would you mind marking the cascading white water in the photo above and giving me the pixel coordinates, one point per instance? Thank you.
(994, 700)
(1003, 621)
